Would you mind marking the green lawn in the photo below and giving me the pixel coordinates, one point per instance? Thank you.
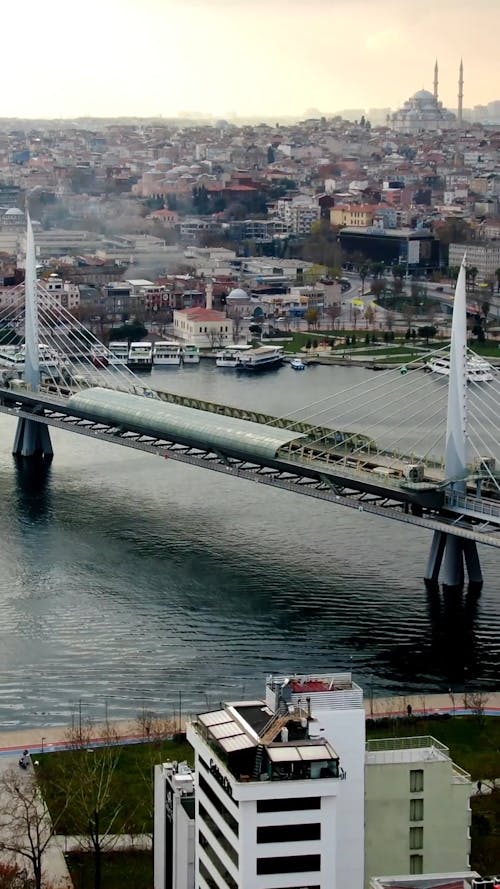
(119, 869)
(132, 783)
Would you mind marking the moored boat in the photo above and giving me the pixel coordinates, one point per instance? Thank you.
(478, 370)
(118, 353)
(190, 354)
(230, 356)
(140, 356)
(261, 358)
(166, 353)
(297, 364)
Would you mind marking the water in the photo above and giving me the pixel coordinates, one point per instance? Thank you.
(126, 581)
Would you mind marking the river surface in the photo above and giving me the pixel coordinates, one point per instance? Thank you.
(127, 581)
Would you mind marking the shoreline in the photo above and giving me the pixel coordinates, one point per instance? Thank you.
(50, 738)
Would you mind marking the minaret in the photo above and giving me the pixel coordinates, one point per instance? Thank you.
(460, 93)
(436, 81)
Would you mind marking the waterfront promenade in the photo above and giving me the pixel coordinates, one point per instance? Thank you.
(52, 738)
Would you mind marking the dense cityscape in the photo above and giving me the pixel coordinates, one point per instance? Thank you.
(233, 252)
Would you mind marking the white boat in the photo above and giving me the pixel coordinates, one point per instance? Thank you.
(478, 370)
(140, 356)
(13, 357)
(166, 353)
(99, 356)
(230, 356)
(262, 358)
(118, 353)
(297, 364)
(190, 354)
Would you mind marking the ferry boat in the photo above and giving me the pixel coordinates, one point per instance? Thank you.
(99, 356)
(478, 370)
(230, 356)
(118, 353)
(140, 356)
(166, 353)
(297, 364)
(190, 354)
(262, 358)
(13, 357)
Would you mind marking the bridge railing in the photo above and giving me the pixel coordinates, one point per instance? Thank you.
(472, 504)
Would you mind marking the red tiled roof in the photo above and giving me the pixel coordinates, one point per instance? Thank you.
(201, 314)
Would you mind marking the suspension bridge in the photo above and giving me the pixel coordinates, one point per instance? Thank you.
(407, 446)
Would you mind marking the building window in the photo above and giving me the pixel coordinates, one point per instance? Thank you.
(416, 810)
(416, 864)
(219, 836)
(294, 804)
(217, 863)
(289, 833)
(416, 837)
(289, 864)
(416, 780)
(218, 804)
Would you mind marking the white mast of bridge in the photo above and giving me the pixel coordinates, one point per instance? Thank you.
(458, 552)
(32, 438)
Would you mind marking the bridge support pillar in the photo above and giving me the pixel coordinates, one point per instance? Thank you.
(456, 556)
(32, 440)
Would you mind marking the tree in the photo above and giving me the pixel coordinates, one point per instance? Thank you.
(237, 318)
(333, 312)
(86, 780)
(370, 313)
(363, 272)
(426, 332)
(26, 828)
(312, 318)
(215, 339)
(472, 273)
(497, 276)
(377, 287)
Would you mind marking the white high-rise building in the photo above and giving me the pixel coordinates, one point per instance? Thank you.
(280, 788)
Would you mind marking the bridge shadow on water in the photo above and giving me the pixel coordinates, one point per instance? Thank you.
(33, 489)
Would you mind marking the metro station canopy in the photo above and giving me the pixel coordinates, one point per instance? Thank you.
(186, 425)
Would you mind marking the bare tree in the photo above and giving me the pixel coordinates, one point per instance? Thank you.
(370, 313)
(215, 339)
(476, 702)
(333, 312)
(86, 779)
(26, 827)
(236, 317)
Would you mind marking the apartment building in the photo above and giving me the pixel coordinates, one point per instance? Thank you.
(417, 808)
(353, 214)
(485, 257)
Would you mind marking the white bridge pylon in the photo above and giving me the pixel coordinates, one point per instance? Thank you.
(32, 438)
(450, 555)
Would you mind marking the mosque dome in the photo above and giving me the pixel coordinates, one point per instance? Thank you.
(14, 211)
(424, 96)
(237, 293)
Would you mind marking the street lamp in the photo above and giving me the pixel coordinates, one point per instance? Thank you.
(43, 739)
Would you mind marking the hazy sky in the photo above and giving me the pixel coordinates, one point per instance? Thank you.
(270, 57)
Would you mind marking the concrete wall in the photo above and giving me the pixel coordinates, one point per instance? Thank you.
(387, 826)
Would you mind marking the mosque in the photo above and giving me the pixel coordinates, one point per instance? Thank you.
(424, 111)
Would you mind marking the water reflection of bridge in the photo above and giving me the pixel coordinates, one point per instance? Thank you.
(444, 480)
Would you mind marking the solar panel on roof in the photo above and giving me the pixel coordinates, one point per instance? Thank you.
(240, 742)
(226, 730)
(216, 717)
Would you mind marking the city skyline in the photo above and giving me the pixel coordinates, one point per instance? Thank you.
(162, 57)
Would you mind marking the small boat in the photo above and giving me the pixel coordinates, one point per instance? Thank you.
(297, 364)
(190, 354)
(99, 356)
